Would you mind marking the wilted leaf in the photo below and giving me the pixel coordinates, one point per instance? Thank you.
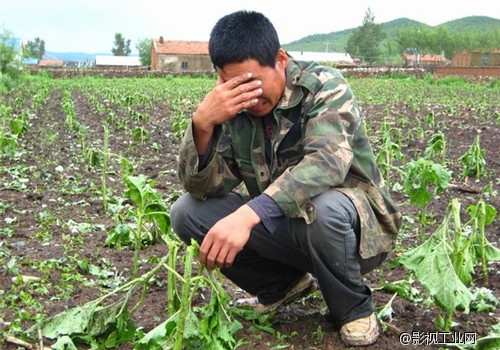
(434, 269)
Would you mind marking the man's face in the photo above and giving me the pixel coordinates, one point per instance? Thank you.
(273, 80)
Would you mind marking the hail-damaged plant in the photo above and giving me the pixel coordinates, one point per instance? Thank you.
(389, 150)
(95, 323)
(104, 325)
(432, 264)
(101, 157)
(473, 160)
(104, 173)
(141, 135)
(181, 115)
(423, 179)
(450, 255)
(211, 326)
(68, 107)
(482, 215)
(8, 135)
(436, 147)
(430, 119)
(146, 223)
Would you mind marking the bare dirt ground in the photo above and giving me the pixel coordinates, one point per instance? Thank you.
(300, 325)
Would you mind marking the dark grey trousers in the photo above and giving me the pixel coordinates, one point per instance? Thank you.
(271, 263)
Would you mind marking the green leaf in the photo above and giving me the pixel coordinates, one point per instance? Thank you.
(17, 126)
(387, 311)
(162, 336)
(492, 253)
(90, 320)
(136, 188)
(120, 235)
(158, 337)
(432, 265)
(403, 288)
(64, 343)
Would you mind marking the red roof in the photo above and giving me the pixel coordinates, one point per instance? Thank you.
(51, 63)
(181, 47)
(425, 58)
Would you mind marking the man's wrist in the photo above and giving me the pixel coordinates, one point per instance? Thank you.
(201, 123)
(251, 217)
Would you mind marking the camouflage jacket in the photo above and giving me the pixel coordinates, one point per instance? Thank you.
(319, 143)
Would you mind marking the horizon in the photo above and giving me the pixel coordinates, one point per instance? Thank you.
(93, 23)
(400, 18)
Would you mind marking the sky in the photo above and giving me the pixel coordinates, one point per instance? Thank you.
(90, 25)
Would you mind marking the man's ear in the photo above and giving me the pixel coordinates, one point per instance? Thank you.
(282, 58)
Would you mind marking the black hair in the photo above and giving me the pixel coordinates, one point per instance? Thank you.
(244, 35)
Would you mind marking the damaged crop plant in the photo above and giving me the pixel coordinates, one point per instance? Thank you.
(88, 258)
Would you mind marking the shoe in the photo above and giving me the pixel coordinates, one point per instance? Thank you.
(305, 286)
(363, 331)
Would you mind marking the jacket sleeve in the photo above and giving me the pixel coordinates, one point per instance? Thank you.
(218, 177)
(331, 124)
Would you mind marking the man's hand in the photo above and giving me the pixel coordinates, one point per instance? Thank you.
(227, 238)
(226, 99)
(222, 103)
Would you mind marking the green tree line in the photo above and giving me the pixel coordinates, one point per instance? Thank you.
(371, 44)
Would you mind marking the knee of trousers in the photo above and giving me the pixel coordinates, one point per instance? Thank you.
(180, 217)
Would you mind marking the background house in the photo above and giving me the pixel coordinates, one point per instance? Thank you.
(477, 58)
(179, 56)
(422, 60)
(117, 62)
(331, 58)
(49, 64)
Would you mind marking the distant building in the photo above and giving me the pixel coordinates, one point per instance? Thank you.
(33, 62)
(417, 59)
(477, 58)
(333, 58)
(50, 64)
(117, 62)
(179, 56)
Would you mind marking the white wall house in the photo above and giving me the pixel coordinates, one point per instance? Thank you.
(122, 62)
(329, 57)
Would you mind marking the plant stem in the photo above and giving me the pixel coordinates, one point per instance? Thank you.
(129, 285)
(105, 155)
(137, 243)
(185, 300)
(481, 223)
(173, 248)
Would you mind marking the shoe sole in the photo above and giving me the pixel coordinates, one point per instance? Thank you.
(289, 297)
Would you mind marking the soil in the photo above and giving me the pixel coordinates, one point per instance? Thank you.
(54, 176)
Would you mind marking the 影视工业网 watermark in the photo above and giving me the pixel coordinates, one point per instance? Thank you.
(437, 338)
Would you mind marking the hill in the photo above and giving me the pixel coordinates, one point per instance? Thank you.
(334, 41)
(337, 41)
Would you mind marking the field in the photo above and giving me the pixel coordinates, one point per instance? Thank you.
(88, 173)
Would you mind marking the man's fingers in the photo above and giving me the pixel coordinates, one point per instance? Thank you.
(230, 258)
(221, 259)
(241, 79)
(210, 253)
(253, 86)
(205, 250)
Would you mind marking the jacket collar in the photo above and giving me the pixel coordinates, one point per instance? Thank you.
(293, 91)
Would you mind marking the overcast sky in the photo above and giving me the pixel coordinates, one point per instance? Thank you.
(90, 25)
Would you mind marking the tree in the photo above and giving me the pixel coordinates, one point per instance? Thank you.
(10, 65)
(364, 42)
(7, 52)
(122, 46)
(34, 49)
(144, 49)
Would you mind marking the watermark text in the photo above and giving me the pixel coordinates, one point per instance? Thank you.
(437, 338)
